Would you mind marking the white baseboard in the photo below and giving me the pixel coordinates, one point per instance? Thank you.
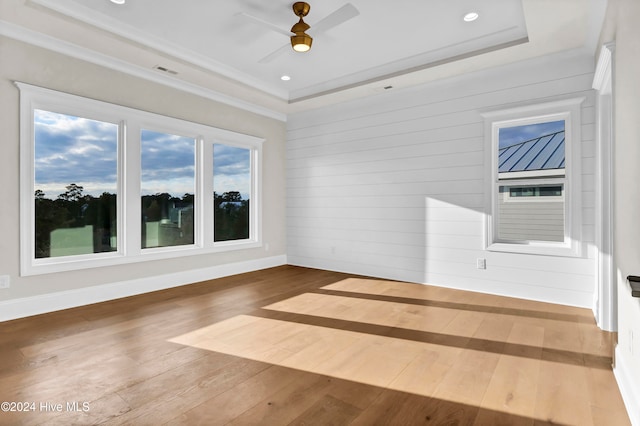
(35, 305)
(629, 388)
(557, 296)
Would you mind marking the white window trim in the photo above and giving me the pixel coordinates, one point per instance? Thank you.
(563, 109)
(131, 121)
(530, 174)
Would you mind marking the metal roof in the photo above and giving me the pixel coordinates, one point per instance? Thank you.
(541, 153)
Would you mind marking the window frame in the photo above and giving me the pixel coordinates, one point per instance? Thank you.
(568, 110)
(253, 212)
(131, 122)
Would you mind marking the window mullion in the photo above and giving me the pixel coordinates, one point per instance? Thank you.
(256, 193)
(204, 194)
(131, 190)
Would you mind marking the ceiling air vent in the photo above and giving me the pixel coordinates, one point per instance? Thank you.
(165, 69)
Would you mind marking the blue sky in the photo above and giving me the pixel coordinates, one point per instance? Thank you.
(231, 170)
(512, 135)
(168, 164)
(76, 150)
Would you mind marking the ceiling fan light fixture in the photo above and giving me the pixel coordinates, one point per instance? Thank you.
(301, 42)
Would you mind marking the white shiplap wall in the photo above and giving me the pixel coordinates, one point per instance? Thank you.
(393, 186)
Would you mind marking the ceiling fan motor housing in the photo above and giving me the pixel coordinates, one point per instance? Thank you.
(301, 8)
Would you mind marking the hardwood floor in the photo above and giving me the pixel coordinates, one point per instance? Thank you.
(293, 345)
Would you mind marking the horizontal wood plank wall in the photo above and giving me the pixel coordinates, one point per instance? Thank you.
(394, 186)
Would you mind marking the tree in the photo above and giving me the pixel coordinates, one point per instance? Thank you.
(153, 213)
(74, 193)
(231, 220)
(188, 198)
(73, 209)
(232, 196)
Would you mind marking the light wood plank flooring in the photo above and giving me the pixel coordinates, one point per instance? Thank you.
(292, 345)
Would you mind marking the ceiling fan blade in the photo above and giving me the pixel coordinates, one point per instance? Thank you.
(346, 12)
(264, 23)
(273, 55)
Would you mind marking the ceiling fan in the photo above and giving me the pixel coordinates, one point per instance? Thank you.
(300, 41)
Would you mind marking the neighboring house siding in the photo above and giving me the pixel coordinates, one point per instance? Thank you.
(394, 186)
(533, 220)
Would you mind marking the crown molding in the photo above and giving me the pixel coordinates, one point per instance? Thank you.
(87, 15)
(604, 66)
(44, 41)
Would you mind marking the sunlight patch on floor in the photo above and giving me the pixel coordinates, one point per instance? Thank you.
(466, 356)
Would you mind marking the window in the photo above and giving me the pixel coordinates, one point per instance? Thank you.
(231, 192)
(534, 179)
(75, 185)
(168, 188)
(103, 184)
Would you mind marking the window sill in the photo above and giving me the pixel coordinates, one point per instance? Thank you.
(73, 263)
(540, 249)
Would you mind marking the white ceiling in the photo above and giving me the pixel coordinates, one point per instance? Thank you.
(209, 43)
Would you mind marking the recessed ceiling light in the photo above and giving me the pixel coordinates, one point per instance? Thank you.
(469, 17)
(285, 78)
(118, 1)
